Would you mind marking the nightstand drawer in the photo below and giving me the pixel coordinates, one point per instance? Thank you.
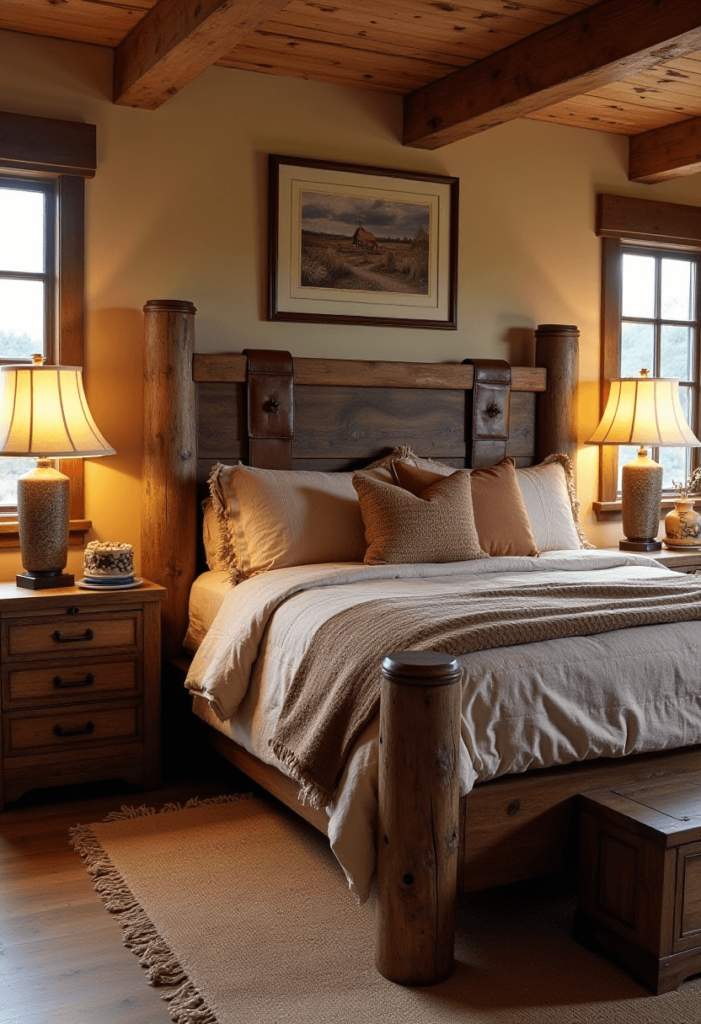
(64, 728)
(58, 683)
(72, 635)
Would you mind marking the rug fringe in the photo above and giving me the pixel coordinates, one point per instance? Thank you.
(185, 1003)
(142, 811)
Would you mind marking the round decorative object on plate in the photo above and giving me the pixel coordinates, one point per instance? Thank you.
(129, 584)
(683, 526)
(107, 563)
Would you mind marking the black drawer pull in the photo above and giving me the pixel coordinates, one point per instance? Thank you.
(85, 731)
(62, 684)
(61, 638)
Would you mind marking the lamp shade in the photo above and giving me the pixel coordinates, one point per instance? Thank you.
(645, 411)
(44, 413)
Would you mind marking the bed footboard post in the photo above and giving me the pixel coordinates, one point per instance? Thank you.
(168, 503)
(418, 817)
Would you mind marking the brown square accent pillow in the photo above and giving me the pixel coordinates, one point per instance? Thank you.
(435, 526)
(500, 512)
(500, 515)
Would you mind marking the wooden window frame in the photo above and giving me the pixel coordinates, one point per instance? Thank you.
(47, 276)
(65, 152)
(622, 221)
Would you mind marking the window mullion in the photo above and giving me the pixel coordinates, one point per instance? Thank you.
(658, 313)
(696, 361)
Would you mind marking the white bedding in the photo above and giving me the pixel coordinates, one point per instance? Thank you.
(537, 705)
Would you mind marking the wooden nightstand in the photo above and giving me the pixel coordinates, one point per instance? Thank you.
(680, 561)
(80, 691)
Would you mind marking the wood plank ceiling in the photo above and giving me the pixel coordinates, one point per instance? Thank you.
(630, 67)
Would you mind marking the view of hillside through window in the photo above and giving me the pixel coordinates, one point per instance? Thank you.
(24, 281)
(659, 332)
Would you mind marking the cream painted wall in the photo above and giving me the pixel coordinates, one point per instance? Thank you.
(177, 210)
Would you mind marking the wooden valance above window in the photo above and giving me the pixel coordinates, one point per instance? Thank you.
(648, 220)
(42, 144)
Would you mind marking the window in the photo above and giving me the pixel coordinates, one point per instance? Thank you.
(660, 331)
(651, 302)
(43, 166)
(26, 290)
(26, 271)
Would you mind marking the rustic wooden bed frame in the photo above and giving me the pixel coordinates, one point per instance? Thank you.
(200, 409)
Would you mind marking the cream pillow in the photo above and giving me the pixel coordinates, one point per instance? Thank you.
(435, 526)
(552, 505)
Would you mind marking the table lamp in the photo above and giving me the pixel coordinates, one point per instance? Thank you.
(643, 410)
(43, 413)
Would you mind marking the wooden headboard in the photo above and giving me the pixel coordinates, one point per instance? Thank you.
(346, 413)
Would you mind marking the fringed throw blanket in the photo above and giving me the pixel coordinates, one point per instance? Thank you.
(336, 688)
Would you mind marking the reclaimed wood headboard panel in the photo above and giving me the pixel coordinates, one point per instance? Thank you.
(344, 427)
(346, 413)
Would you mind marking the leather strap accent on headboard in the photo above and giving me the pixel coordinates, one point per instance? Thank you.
(488, 410)
(270, 402)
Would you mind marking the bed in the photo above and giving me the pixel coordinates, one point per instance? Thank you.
(336, 415)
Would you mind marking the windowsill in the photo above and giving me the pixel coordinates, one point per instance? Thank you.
(9, 532)
(610, 511)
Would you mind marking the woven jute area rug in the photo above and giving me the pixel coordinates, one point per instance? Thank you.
(241, 913)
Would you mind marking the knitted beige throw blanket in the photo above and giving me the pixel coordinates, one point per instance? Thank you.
(336, 689)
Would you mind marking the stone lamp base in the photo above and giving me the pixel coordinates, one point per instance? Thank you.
(44, 509)
(641, 493)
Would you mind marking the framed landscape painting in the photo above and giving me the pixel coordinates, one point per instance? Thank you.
(361, 245)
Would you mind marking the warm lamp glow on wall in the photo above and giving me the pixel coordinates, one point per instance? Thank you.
(44, 414)
(645, 411)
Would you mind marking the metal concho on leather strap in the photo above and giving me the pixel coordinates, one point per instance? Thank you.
(488, 410)
(270, 408)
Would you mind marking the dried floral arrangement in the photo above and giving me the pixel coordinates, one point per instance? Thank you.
(692, 485)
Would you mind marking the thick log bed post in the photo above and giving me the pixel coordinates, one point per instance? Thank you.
(168, 502)
(417, 834)
(557, 349)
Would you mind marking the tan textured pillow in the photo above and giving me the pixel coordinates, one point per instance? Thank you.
(499, 512)
(436, 526)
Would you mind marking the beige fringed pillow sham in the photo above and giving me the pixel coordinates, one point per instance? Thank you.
(435, 526)
(553, 507)
(261, 519)
(274, 519)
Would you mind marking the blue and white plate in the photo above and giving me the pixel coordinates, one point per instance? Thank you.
(109, 581)
(89, 583)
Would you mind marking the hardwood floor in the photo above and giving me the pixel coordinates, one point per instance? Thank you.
(61, 955)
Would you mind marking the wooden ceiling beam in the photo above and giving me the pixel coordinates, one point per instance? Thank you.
(597, 46)
(179, 39)
(664, 153)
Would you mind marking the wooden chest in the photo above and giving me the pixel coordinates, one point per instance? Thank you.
(640, 877)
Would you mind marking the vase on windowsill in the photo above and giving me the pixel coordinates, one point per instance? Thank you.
(683, 525)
